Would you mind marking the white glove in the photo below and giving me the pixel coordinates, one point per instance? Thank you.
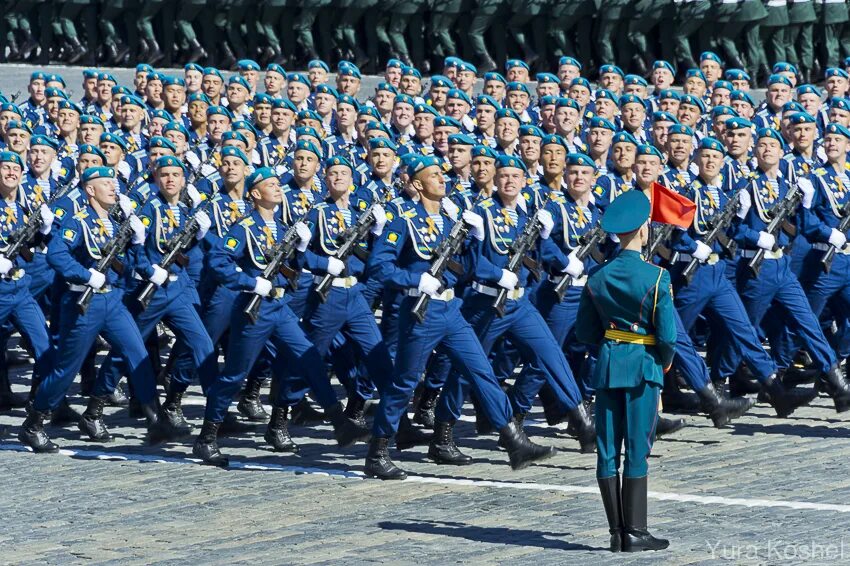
(6, 265)
(159, 275)
(745, 202)
(808, 191)
(380, 219)
(702, 252)
(204, 224)
(262, 287)
(125, 204)
(96, 279)
(194, 195)
(766, 241)
(450, 207)
(46, 219)
(138, 229)
(304, 236)
(509, 280)
(335, 266)
(546, 224)
(429, 285)
(575, 267)
(837, 238)
(476, 224)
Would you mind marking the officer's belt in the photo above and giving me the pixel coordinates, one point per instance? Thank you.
(712, 258)
(171, 277)
(845, 250)
(14, 275)
(576, 282)
(345, 282)
(81, 288)
(445, 296)
(768, 254)
(630, 337)
(513, 294)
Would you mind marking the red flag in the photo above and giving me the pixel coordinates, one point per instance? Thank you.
(669, 207)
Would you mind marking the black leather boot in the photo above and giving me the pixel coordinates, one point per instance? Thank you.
(196, 52)
(155, 54)
(159, 427)
(609, 488)
(783, 401)
(378, 462)
(249, 405)
(720, 409)
(29, 46)
(551, 407)
(172, 411)
(354, 409)
(834, 384)
(277, 433)
(635, 535)
(585, 431)
(8, 398)
(91, 422)
(206, 445)
(346, 431)
(487, 64)
(117, 398)
(304, 413)
(32, 433)
(521, 451)
(77, 50)
(675, 400)
(666, 426)
(64, 414)
(424, 414)
(482, 423)
(228, 59)
(443, 449)
(408, 435)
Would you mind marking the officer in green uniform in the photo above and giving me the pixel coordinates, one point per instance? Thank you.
(444, 16)
(150, 51)
(611, 34)
(724, 30)
(646, 15)
(690, 18)
(401, 14)
(832, 17)
(116, 49)
(482, 18)
(746, 21)
(66, 28)
(17, 14)
(302, 26)
(799, 43)
(627, 309)
(346, 30)
(772, 31)
(568, 17)
(187, 13)
(525, 12)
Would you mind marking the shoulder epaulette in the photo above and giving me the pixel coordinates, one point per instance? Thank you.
(486, 203)
(559, 199)
(247, 222)
(81, 215)
(321, 205)
(410, 213)
(822, 171)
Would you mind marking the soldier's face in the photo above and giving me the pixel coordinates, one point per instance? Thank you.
(495, 89)
(155, 153)
(518, 101)
(423, 123)
(232, 170)
(384, 101)
(347, 84)
(297, 92)
(18, 140)
(175, 96)
(140, 80)
(53, 107)
(811, 102)
(274, 83)
(438, 96)
(456, 108)
(170, 180)
(778, 94)
(459, 156)
(102, 191)
(87, 160)
(441, 138)
(599, 140)
(465, 80)
(637, 90)
(483, 170)
(338, 179)
(547, 117)
(837, 86)
(803, 135)
(217, 125)
(10, 174)
(393, 75)
(688, 114)
(236, 94)
(662, 78)
(153, 90)
(345, 116)
(198, 112)
(5, 117)
(507, 130)
(529, 148)
(40, 158)
(612, 82)
(567, 73)
(509, 181)
(90, 87)
(68, 121)
(113, 153)
(768, 152)
(741, 84)
(553, 157)
(402, 114)
(695, 86)
(711, 70)
(430, 183)
(382, 161)
(720, 97)
(36, 89)
(263, 115)
(633, 115)
(304, 165)
(325, 103)
(411, 85)
(178, 139)
(840, 116)
(679, 147)
(485, 115)
(517, 74)
(193, 80)
(670, 105)
(580, 179)
(738, 141)
(709, 163)
(835, 146)
(566, 119)
(744, 109)
(659, 132)
(623, 155)
(647, 168)
(317, 76)
(239, 144)
(282, 119)
(104, 92)
(251, 76)
(131, 115)
(211, 85)
(580, 95)
(605, 108)
(90, 133)
(547, 89)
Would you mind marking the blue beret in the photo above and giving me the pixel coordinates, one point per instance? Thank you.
(176, 126)
(580, 81)
(233, 151)
(624, 137)
(695, 73)
(836, 72)
(318, 64)
(808, 89)
(712, 144)
(693, 101)
(723, 84)
(306, 145)
(212, 71)
(723, 110)
(109, 137)
(511, 63)
(367, 110)
(494, 76)
(198, 97)
(446, 122)
(169, 161)
(130, 100)
(605, 69)
(218, 109)
(247, 65)
(626, 213)
(461, 139)
(91, 150)
(259, 175)
(548, 100)
(275, 68)
(564, 102)
(738, 123)
(553, 139)
(742, 96)
(262, 98)
(38, 76)
(233, 135)
(53, 92)
(40, 139)
(118, 90)
(144, 68)
(505, 160)
(404, 99)
(468, 67)
(770, 133)
(566, 60)
(385, 86)
(376, 125)
(486, 100)
(636, 80)
(441, 81)
(450, 61)
(10, 107)
(18, 125)
(349, 71)
(106, 77)
(193, 67)
(423, 162)
(836, 128)
(348, 99)
(839, 103)
(397, 64)
(89, 119)
(245, 125)
(89, 73)
(605, 94)
(161, 142)
(483, 151)
(407, 71)
(784, 67)
(239, 80)
(792, 106)
(778, 79)
(422, 108)
(69, 105)
(547, 78)
(661, 64)
(298, 78)
(710, 56)
(382, 143)
(11, 157)
(168, 80)
(54, 78)
(93, 173)
(600, 122)
(327, 89)
(338, 160)
(663, 116)
(527, 130)
(507, 113)
(680, 129)
(580, 160)
(668, 94)
(514, 86)
(647, 149)
(631, 99)
(802, 118)
(285, 104)
(736, 75)
(155, 76)
(459, 94)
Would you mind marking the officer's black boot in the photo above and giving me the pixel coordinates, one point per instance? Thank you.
(91, 421)
(742, 383)
(794, 376)
(277, 433)
(666, 426)
(196, 52)
(378, 462)
(834, 384)
(817, 71)
(408, 435)
(304, 413)
(639, 65)
(424, 414)
(529, 55)
(29, 45)
(443, 449)
(551, 407)
(117, 398)
(155, 54)
(360, 57)
(172, 411)
(346, 431)
(635, 535)
(32, 433)
(249, 405)
(14, 50)
(785, 401)
(77, 50)
(720, 409)
(159, 427)
(521, 451)
(64, 414)
(609, 488)
(584, 428)
(354, 409)
(8, 398)
(206, 446)
(487, 64)
(87, 379)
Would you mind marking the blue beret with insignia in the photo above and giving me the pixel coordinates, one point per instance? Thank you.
(580, 160)
(233, 151)
(564, 102)
(404, 99)
(38, 76)
(244, 125)
(647, 149)
(397, 64)
(262, 98)
(348, 99)
(198, 97)
(193, 67)
(580, 81)
(553, 139)
(385, 86)
(349, 71)
(507, 113)
(408, 71)
(548, 100)
(169, 80)
(423, 162)
(836, 128)
(802, 118)
(605, 69)
(516, 86)
(131, 100)
(101, 77)
(712, 144)
(89, 73)
(175, 126)
(605, 94)
(155, 76)
(212, 71)
(338, 161)
(247, 65)
(11, 107)
(710, 56)
(770, 133)
(624, 137)
(446, 122)
(692, 100)
(483, 151)
(219, 109)
(466, 66)
(722, 85)
(545, 78)
(792, 106)
(90, 149)
(511, 63)
(422, 108)
(808, 89)
(306, 145)
(458, 94)
(778, 79)
(571, 61)
(631, 99)
(161, 142)
(836, 72)
(144, 68)
(89, 119)
(505, 160)
(18, 125)
(662, 116)
(259, 176)
(382, 143)
(600, 122)
(109, 137)
(54, 78)
(528, 130)
(298, 78)
(240, 81)
(636, 80)
(461, 139)
(736, 75)
(120, 91)
(784, 67)
(169, 161)
(441, 81)
(839, 103)
(661, 64)
(233, 135)
(11, 157)
(93, 173)
(742, 96)
(318, 64)
(308, 115)
(680, 129)
(668, 94)
(53, 92)
(695, 73)
(327, 89)
(285, 104)
(70, 105)
(486, 100)
(494, 76)
(722, 110)
(376, 125)
(738, 123)
(275, 68)
(40, 139)
(626, 213)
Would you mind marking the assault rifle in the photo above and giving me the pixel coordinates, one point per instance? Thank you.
(20, 240)
(779, 221)
(588, 246)
(519, 257)
(717, 233)
(843, 225)
(658, 246)
(109, 256)
(350, 245)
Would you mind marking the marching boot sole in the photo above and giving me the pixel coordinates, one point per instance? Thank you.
(522, 464)
(377, 476)
(291, 449)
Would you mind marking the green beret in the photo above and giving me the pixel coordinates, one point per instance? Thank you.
(626, 213)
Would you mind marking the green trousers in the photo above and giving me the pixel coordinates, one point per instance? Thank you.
(625, 418)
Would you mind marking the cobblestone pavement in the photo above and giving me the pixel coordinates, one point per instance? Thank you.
(761, 491)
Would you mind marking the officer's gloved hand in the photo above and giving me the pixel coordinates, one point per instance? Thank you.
(429, 285)
(47, 218)
(766, 241)
(335, 266)
(509, 280)
(808, 191)
(744, 203)
(96, 279)
(575, 267)
(194, 195)
(380, 219)
(204, 224)
(450, 207)
(125, 204)
(546, 223)
(304, 236)
(837, 238)
(702, 252)
(262, 287)
(6, 265)
(476, 224)
(159, 275)
(138, 230)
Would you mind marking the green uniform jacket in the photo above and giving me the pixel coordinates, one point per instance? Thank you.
(629, 295)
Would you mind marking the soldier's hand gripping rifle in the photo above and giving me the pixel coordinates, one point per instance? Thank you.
(109, 255)
(658, 245)
(843, 225)
(350, 245)
(780, 215)
(717, 233)
(588, 246)
(520, 249)
(20, 241)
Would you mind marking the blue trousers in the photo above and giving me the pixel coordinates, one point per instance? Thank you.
(279, 324)
(106, 315)
(443, 326)
(625, 417)
(20, 310)
(528, 332)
